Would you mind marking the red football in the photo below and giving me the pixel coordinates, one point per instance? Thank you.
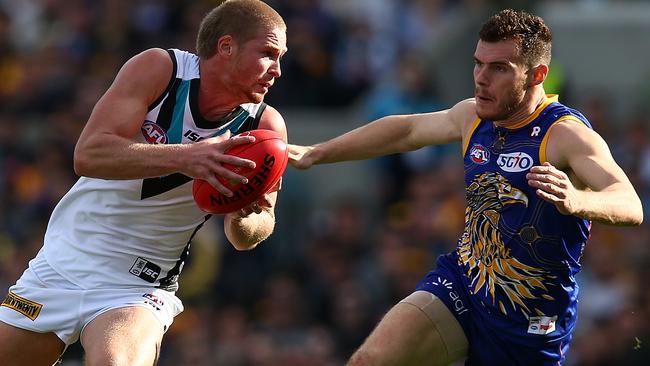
(270, 154)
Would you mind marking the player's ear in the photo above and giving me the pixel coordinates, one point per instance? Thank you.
(225, 46)
(537, 74)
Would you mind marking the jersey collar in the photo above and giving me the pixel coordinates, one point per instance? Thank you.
(550, 98)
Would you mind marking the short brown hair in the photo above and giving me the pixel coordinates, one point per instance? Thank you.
(532, 35)
(241, 19)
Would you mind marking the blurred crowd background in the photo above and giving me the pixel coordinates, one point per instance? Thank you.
(352, 239)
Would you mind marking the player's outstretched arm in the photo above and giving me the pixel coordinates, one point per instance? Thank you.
(108, 147)
(248, 227)
(387, 135)
(601, 191)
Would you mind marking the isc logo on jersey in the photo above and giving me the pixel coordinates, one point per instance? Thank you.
(479, 154)
(153, 133)
(515, 162)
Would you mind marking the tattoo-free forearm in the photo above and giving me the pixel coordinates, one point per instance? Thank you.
(614, 206)
(384, 136)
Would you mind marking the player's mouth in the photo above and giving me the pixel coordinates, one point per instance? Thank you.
(482, 98)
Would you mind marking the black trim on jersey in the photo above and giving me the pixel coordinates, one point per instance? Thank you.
(170, 281)
(166, 113)
(253, 123)
(154, 186)
(170, 84)
(199, 120)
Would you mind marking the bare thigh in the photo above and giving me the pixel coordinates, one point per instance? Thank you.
(23, 347)
(124, 336)
(419, 330)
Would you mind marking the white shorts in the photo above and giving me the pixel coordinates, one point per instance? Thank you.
(43, 301)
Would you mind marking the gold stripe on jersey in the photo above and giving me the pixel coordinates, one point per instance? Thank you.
(550, 98)
(475, 124)
(542, 146)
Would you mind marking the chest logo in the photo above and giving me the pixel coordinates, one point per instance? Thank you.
(515, 162)
(479, 154)
(153, 133)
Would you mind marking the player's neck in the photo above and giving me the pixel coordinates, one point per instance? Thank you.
(528, 106)
(214, 99)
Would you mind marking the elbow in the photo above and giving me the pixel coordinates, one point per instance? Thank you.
(243, 247)
(635, 217)
(81, 163)
(638, 218)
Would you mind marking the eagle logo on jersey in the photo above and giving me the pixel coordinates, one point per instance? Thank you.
(483, 253)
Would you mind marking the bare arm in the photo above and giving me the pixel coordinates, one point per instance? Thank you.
(388, 135)
(108, 149)
(600, 190)
(246, 228)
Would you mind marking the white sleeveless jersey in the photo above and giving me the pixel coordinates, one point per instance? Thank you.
(123, 233)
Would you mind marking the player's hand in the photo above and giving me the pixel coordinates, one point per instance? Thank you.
(554, 186)
(207, 157)
(300, 156)
(264, 203)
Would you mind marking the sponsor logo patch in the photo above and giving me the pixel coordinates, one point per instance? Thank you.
(541, 324)
(459, 306)
(146, 270)
(153, 133)
(479, 154)
(515, 162)
(26, 307)
(535, 131)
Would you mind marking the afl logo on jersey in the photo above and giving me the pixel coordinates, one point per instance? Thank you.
(479, 154)
(153, 133)
(515, 162)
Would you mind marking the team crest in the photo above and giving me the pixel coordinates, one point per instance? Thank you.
(153, 133)
(479, 154)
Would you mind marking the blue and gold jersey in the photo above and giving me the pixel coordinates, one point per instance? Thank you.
(519, 255)
(510, 282)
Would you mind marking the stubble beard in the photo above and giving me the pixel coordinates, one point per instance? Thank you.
(508, 107)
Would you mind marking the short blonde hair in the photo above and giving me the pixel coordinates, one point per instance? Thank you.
(241, 19)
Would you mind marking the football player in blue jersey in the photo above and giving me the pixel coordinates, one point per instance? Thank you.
(536, 175)
(117, 241)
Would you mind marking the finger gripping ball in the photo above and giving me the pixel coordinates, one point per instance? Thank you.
(270, 154)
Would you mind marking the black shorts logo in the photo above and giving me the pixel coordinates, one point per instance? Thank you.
(26, 307)
(146, 270)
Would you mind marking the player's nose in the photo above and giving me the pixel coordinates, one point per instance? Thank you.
(275, 69)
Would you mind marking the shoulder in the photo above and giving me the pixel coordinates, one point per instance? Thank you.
(464, 115)
(570, 136)
(271, 119)
(150, 61)
(148, 72)
(464, 110)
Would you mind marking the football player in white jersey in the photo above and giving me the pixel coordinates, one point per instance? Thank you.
(116, 242)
